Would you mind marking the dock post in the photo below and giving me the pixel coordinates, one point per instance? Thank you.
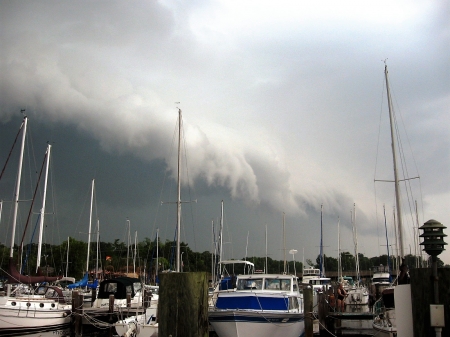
(93, 296)
(77, 311)
(183, 304)
(307, 311)
(111, 312)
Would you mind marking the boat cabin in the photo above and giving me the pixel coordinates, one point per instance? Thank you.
(119, 287)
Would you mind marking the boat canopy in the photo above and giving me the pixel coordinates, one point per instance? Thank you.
(119, 287)
(248, 267)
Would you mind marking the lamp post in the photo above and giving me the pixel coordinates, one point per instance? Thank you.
(433, 242)
(293, 252)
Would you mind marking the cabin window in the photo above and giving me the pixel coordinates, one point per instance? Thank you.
(110, 287)
(249, 284)
(129, 289)
(278, 284)
(137, 286)
(51, 293)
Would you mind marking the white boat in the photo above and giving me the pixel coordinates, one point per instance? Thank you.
(261, 305)
(388, 321)
(120, 287)
(358, 294)
(145, 325)
(45, 310)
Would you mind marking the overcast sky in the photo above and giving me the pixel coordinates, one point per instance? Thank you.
(284, 110)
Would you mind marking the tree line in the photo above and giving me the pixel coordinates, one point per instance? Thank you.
(113, 258)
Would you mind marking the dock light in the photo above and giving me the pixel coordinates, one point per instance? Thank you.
(433, 242)
(433, 237)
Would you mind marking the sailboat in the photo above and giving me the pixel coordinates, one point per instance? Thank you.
(146, 325)
(46, 309)
(398, 297)
(357, 293)
(315, 277)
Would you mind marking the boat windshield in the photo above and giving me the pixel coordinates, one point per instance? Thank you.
(278, 284)
(380, 279)
(253, 284)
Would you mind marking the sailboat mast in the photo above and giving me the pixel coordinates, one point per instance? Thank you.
(266, 269)
(394, 155)
(16, 194)
(67, 257)
(135, 246)
(322, 274)
(339, 253)
(128, 243)
(90, 226)
(157, 251)
(284, 245)
(355, 241)
(221, 233)
(179, 194)
(41, 222)
(98, 247)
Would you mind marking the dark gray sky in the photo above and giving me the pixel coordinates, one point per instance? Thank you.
(284, 109)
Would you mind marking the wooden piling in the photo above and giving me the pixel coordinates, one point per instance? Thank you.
(183, 305)
(111, 312)
(93, 296)
(77, 312)
(307, 311)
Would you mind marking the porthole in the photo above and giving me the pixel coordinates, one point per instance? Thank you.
(13, 303)
(41, 305)
(53, 305)
(28, 304)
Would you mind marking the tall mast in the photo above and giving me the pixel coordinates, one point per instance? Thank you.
(90, 226)
(266, 270)
(157, 253)
(322, 273)
(179, 194)
(355, 242)
(221, 233)
(98, 247)
(339, 253)
(16, 194)
(213, 254)
(128, 243)
(394, 155)
(284, 245)
(41, 222)
(67, 257)
(134, 258)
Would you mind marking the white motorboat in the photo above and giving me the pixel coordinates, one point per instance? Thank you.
(261, 305)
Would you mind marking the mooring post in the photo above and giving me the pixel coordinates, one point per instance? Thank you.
(93, 296)
(111, 312)
(183, 304)
(307, 311)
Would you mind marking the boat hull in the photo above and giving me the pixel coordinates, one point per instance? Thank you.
(242, 323)
(20, 322)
